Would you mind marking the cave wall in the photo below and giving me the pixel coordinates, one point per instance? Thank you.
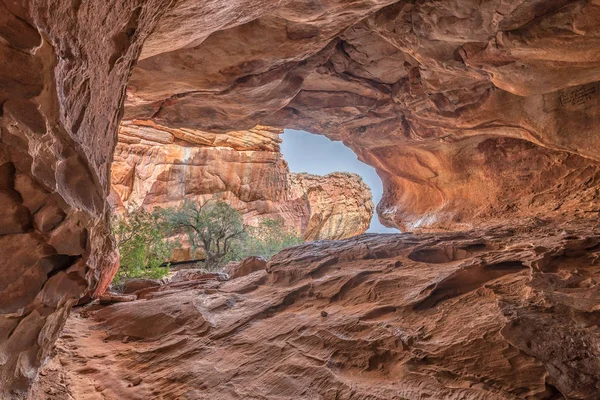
(470, 111)
(61, 102)
(424, 91)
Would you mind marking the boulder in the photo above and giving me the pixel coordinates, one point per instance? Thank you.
(133, 285)
(197, 274)
(112, 297)
(248, 266)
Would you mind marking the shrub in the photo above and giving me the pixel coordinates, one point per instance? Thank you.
(142, 245)
(268, 239)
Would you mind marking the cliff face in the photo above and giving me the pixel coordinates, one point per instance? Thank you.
(500, 314)
(339, 204)
(156, 166)
(472, 113)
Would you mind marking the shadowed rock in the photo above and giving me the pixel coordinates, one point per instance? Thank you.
(492, 325)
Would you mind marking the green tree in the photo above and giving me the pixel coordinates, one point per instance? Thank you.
(269, 238)
(142, 245)
(214, 226)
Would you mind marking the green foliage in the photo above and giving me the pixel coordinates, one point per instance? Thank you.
(214, 226)
(268, 239)
(142, 245)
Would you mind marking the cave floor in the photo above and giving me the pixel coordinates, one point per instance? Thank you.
(505, 313)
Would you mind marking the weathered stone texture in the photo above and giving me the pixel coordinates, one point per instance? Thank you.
(472, 113)
(504, 313)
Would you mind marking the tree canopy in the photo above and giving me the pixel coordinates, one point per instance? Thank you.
(214, 226)
(143, 248)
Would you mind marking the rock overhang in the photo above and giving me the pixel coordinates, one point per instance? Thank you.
(471, 112)
(440, 97)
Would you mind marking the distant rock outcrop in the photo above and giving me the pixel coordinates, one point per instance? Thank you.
(156, 166)
(340, 204)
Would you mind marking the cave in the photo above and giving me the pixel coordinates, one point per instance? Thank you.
(481, 118)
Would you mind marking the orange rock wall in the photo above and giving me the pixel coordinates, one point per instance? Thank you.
(156, 166)
(472, 113)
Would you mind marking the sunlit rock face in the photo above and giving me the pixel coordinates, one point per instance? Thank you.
(156, 166)
(339, 204)
(500, 314)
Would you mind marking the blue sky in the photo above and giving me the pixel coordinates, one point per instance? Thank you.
(318, 155)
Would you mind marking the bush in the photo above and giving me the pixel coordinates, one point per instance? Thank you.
(215, 227)
(268, 239)
(142, 245)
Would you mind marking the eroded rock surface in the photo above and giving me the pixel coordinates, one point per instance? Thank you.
(61, 90)
(471, 112)
(157, 166)
(506, 313)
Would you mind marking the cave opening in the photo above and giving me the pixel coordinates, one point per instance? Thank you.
(314, 186)
(481, 119)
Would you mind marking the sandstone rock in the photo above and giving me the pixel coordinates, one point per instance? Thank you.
(426, 93)
(61, 97)
(247, 266)
(133, 285)
(111, 297)
(246, 169)
(197, 274)
(503, 313)
(230, 267)
(49, 217)
(472, 113)
(340, 204)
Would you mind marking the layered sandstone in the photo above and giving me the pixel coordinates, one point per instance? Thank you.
(500, 314)
(157, 166)
(339, 204)
(472, 112)
(59, 112)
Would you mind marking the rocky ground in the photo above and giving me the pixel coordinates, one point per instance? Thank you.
(502, 313)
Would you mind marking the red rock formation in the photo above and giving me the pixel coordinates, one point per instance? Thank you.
(246, 267)
(338, 203)
(467, 111)
(506, 313)
(472, 112)
(61, 90)
(156, 166)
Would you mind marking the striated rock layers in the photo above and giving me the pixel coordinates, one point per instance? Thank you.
(337, 202)
(500, 314)
(61, 91)
(471, 111)
(156, 166)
